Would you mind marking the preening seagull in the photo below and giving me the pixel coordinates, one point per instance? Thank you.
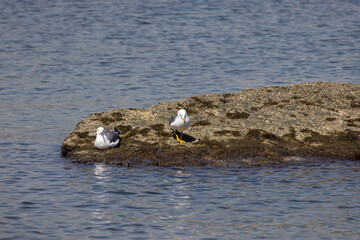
(106, 139)
(180, 122)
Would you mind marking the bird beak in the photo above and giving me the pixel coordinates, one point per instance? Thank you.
(184, 119)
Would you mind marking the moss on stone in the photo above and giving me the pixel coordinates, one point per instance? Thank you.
(144, 131)
(118, 116)
(157, 127)
(201, 123)
(355, 104)
(237, 115)
(82, 134)
(226, 95)
(126, 130)
(208, 143)
(106, 120)
(273, 134)
(270, 103)
(308, 103)
(223, 100)
(330, 119)
(261, 135)
(204, 103)
(225, 132)
(291, 134)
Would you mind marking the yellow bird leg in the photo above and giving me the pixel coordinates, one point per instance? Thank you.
(181, 141)
(177, 138)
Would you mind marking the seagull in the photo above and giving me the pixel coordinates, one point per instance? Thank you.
(106, 139)
(180, 122)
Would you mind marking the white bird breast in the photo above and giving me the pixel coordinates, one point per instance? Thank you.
(102, 142)
(180, 125)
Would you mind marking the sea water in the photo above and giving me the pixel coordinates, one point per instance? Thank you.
(63, 60)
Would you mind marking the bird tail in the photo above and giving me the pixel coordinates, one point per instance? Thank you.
(116, 130)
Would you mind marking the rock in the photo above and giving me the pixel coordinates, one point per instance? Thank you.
(270, 125)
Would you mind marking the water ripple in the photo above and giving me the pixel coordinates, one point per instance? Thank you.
(63, 60)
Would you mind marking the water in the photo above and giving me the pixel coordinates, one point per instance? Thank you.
(61, 61)
(97, 201)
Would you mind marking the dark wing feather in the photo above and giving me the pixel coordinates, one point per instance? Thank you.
(172, 119)
(116, 130)
(112, 136)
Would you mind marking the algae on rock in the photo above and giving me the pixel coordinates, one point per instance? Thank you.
(255, 126)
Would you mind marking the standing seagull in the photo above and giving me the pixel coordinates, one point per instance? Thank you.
(180, 122)
(106, 139)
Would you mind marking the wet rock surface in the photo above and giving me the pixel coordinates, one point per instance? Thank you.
(271, 125)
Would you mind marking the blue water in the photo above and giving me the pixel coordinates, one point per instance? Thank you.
(61, 61)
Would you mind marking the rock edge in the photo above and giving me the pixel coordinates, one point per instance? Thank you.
(270, 125)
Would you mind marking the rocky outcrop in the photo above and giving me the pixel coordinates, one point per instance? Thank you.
(270, 125)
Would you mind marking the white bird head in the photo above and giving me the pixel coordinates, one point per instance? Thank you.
(100, 131)
(182, 114)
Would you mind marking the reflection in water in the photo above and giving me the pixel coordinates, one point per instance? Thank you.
(180, 192)
(58, 58)
(180, 201)
(101, 175)
(100, 171)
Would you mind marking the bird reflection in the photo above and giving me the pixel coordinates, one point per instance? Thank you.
(180, 192)
(101, 175)
(100, 172)
(180, 201)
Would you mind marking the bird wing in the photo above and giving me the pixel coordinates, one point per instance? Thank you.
(172, 119)
(112, 136)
